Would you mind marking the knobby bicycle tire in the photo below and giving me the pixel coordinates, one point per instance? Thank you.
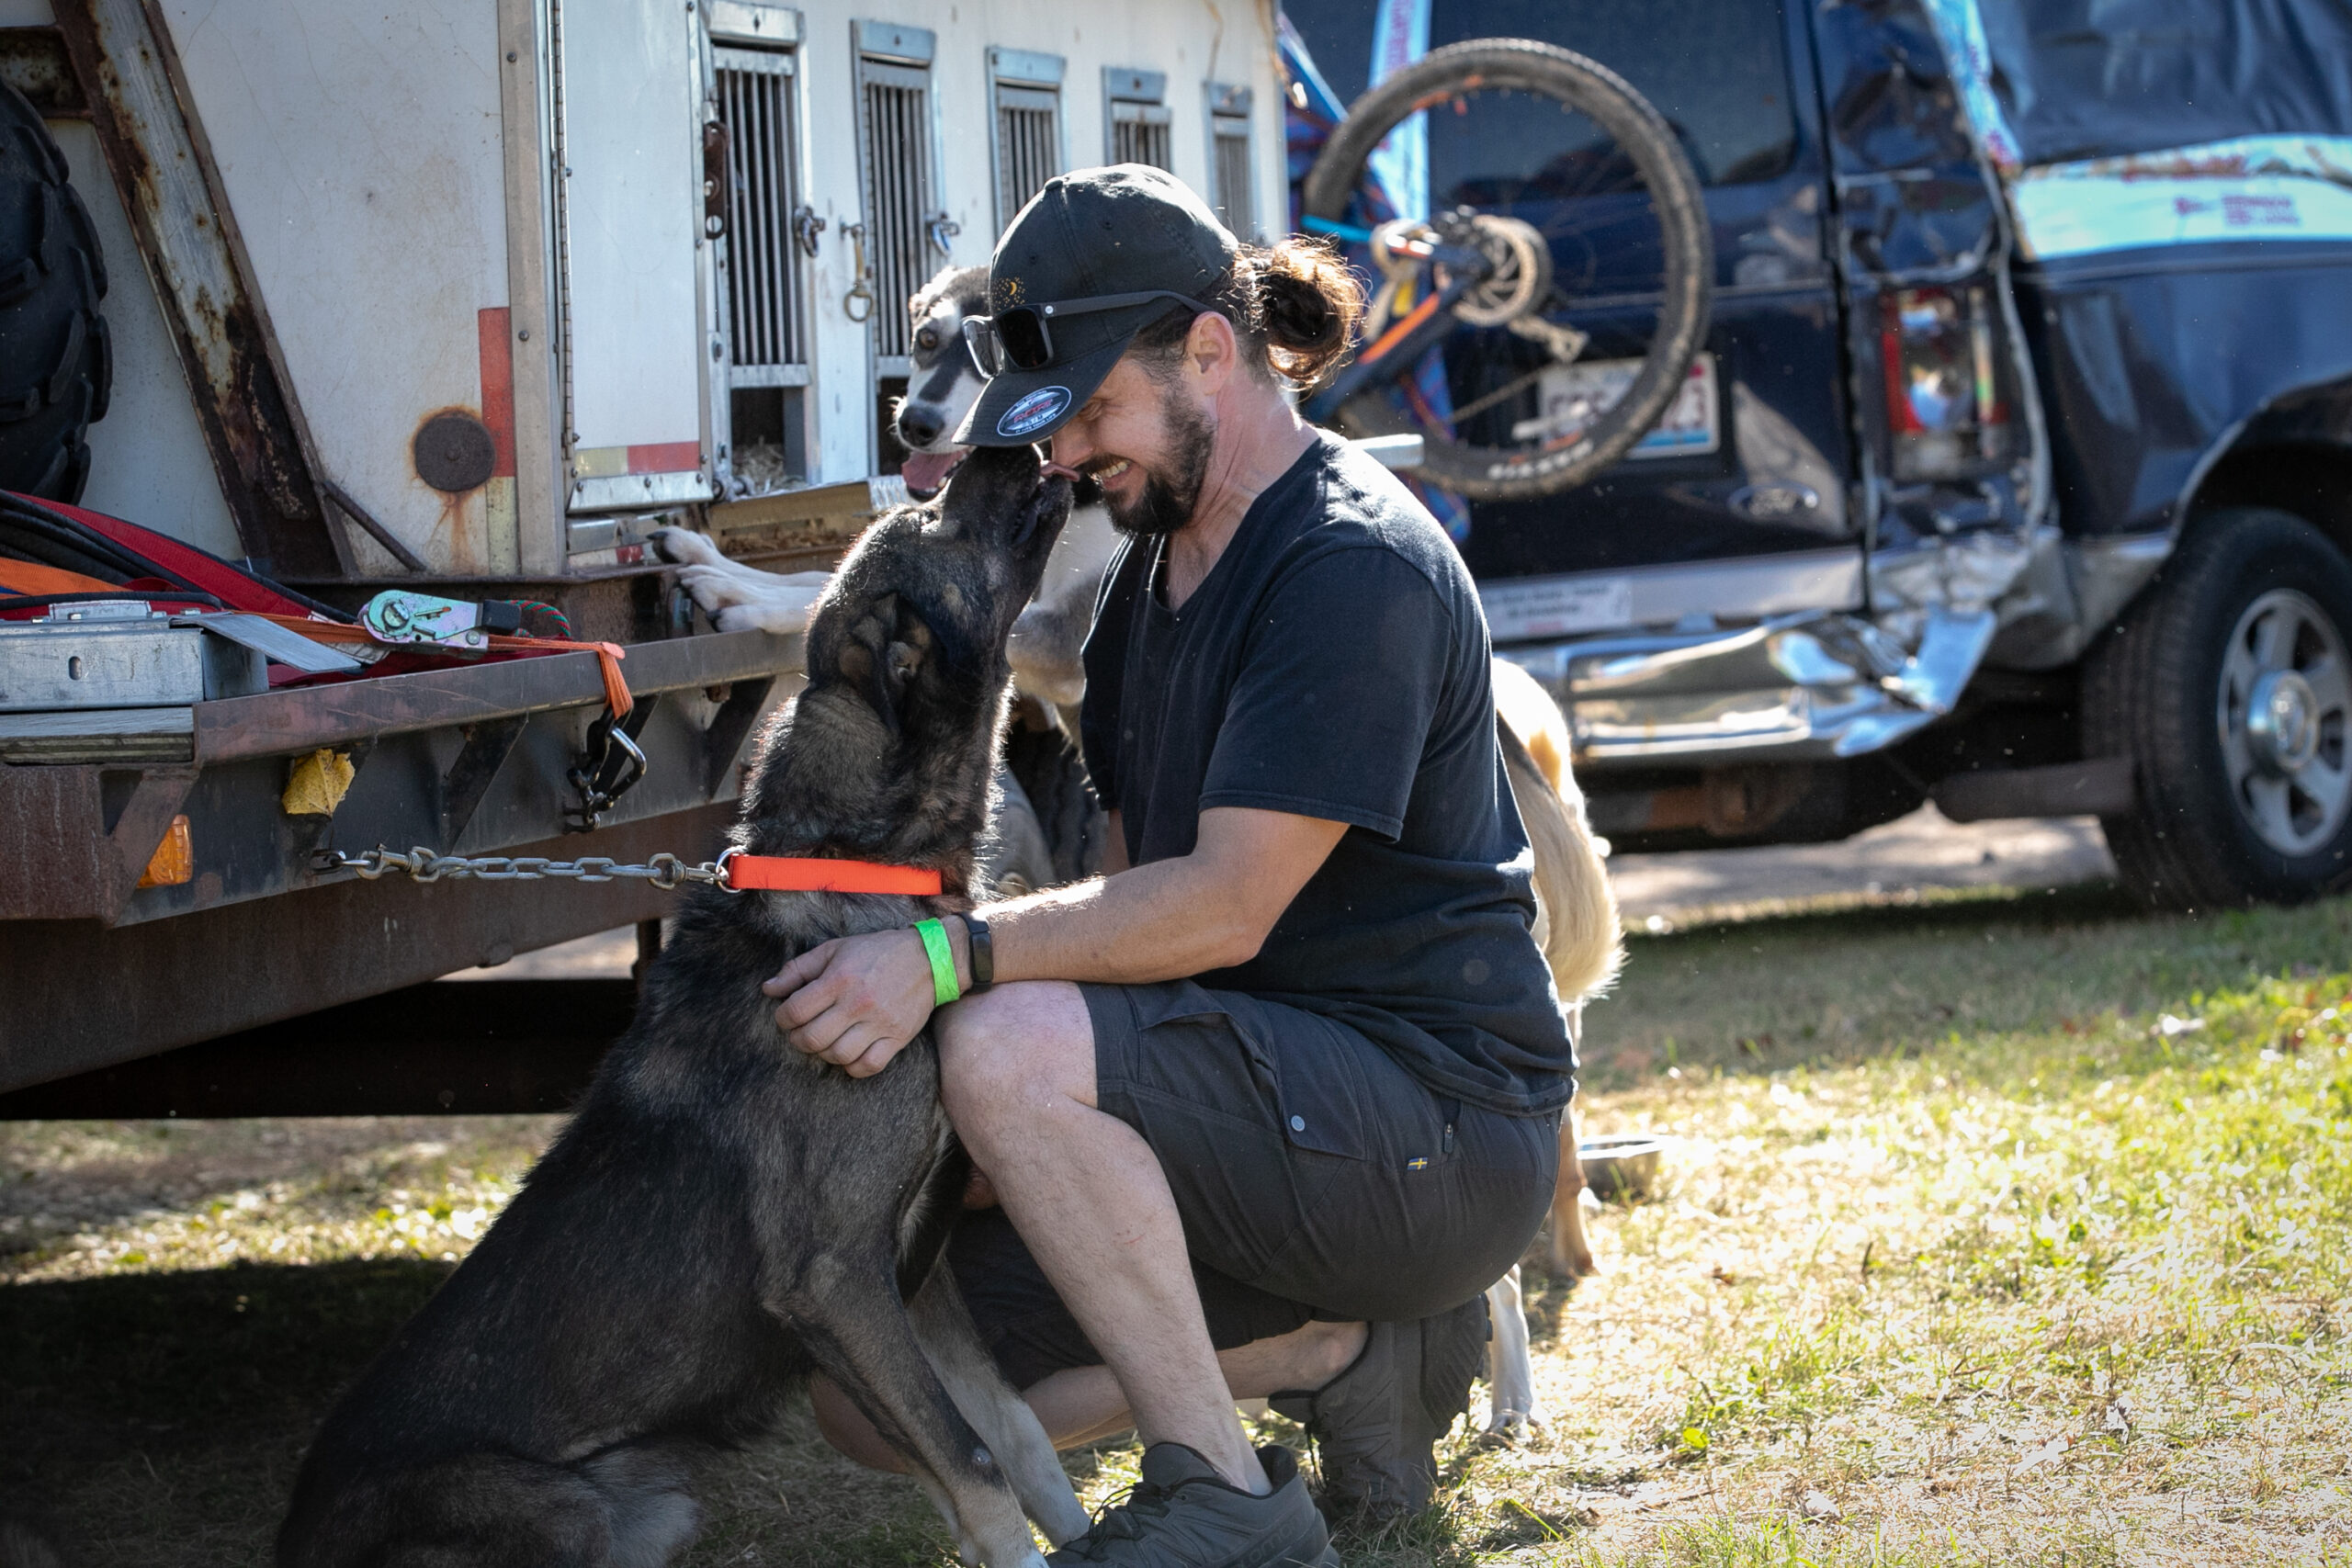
(1592, 89)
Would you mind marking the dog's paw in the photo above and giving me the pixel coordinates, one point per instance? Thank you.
(1574, 1265)
(780, 612)
(715, 588)
(1509, 1429)
(684, 547)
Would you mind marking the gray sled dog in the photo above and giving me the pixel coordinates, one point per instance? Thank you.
(725, 1215)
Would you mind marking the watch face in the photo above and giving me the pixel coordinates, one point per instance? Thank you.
(983, 953)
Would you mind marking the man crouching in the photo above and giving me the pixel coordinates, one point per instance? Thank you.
(1268, 1107)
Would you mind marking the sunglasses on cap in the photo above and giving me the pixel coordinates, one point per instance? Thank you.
(1023, 338)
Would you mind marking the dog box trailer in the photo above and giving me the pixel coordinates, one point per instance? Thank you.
(461, 301)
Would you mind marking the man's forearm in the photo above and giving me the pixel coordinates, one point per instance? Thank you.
(1161, 921)
(856, 1000)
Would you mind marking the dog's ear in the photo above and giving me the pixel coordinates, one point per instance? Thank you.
(885, 651)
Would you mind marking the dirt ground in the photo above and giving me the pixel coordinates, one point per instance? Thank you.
(1921, 851)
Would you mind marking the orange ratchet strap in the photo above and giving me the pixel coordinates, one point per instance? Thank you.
(608, 654)
(739, 872)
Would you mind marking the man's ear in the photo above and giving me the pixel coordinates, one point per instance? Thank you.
(1214, 350)
(885, 650)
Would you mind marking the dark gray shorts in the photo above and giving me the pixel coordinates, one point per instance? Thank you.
(1315, 1176)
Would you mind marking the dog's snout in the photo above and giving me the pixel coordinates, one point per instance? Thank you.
(920, 424)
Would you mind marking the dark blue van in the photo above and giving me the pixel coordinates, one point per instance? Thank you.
(2017, 471)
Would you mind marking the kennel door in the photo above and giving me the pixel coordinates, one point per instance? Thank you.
(631, 160)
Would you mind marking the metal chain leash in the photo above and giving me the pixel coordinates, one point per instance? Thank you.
(665, 871)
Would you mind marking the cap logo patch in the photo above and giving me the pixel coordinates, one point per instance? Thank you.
(1033, 412)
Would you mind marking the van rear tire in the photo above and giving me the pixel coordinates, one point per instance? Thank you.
(2242, 751)
(56, 363)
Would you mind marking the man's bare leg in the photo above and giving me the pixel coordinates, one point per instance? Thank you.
(1080, 1404)
(1090, 1200)
(1084, 1404)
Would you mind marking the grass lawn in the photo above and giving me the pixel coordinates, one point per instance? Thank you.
(2000, 1229)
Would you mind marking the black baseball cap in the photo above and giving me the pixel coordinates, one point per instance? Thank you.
(1129, 229)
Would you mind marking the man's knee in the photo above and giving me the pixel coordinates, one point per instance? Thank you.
(1011, 1050)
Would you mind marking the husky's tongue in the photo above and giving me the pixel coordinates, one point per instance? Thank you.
(926, 471)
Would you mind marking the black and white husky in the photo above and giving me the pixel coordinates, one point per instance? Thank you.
(942, 384)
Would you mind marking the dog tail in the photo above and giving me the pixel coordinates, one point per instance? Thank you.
(1577, 925)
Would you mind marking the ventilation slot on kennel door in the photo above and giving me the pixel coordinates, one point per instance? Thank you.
(1027, 90)
(1137, 111)
(1229, 158)
(906, 236)
(756, 94)
(762, 256)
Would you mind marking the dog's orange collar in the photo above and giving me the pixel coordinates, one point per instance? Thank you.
(739, 872)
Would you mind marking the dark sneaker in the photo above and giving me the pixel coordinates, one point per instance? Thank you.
(1376, 1424)
(1182, 1514)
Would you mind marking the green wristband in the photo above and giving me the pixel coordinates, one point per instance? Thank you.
(943, 989)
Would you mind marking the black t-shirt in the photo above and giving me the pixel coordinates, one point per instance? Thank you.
(1334, 664)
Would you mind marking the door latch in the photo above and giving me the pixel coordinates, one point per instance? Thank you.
(806, 227)
(714, 179)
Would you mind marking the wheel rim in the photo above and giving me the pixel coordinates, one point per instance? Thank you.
(2284, 707)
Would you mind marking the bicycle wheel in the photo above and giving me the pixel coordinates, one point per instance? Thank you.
(1551, 378)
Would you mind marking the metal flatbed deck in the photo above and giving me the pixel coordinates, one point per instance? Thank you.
(470, 761)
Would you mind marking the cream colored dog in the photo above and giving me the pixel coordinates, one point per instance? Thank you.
(1577, 928)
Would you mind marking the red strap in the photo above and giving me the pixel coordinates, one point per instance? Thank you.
(208, 573)
(789, 874)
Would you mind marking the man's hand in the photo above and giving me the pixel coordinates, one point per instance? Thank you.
(856, 1000)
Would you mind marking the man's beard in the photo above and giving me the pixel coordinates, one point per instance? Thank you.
(1164, 504)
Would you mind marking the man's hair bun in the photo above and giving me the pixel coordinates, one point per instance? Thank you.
(1309, 306)
(1294, 307)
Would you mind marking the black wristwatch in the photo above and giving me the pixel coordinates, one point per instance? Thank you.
(976, 931)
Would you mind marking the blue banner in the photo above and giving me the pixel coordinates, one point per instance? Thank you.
(1401, 35)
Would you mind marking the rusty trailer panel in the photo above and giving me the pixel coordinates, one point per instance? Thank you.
(34, 61)
(84, 997)
(303, 717)
(164, 171)
(468, 760)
